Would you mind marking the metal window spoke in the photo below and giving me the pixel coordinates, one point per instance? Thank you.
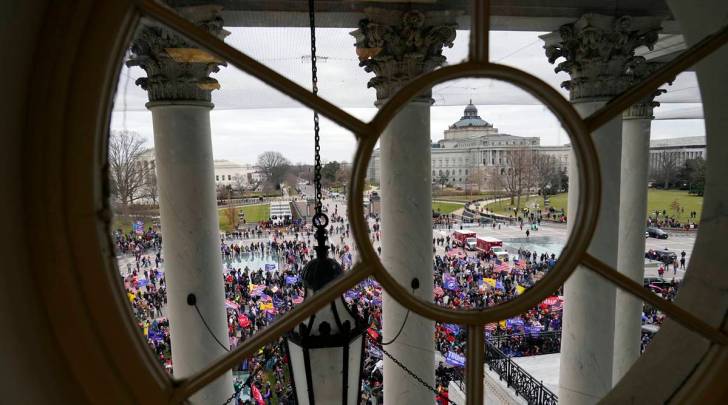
(480, 30)
(249, 65)
(673, 311)
(290, 320)
(475, 352)
(665, 74)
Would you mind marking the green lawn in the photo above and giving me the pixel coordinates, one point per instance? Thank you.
(462, 198)
(656, 200)
(253, 214)
(446, 207)
(664, 199)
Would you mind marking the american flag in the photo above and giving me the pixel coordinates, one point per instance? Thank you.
(501, 266)
(522, 264)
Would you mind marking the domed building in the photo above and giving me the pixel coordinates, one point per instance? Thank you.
(472, 147)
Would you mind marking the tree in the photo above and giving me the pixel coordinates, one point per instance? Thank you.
(274, 166)
(666, 168)
(343, 174)
(546, 174)
(128, 175)
(328, 173)
(442, 180)
(517, 177)
(693, 173)
(151, 190)
(239, 182)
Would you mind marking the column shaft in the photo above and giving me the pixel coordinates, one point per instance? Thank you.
(585, 375)
(407, 250)
(190, 232)
(632, 211)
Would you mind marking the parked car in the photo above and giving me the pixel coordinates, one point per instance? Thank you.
(657, 284)
(656, 233)
(665, 256)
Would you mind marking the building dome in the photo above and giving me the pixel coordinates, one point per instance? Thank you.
(471, 118)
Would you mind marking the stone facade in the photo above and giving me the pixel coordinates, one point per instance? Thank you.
(597, 50)
(472, 144)
(177, 71)
(399, 46)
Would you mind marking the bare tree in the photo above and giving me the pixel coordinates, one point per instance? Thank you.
(239, 182)
(517, 176)
(150, 189)
(545, 174)
(666, 168)
(128, 174)
(274, 166)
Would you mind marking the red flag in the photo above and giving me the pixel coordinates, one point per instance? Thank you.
(255, 392)
(243, 321)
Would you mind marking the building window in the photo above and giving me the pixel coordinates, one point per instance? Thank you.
(230, 177)
(217, 178)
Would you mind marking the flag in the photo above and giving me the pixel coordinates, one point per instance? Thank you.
(255, 393)
(501, 266)
(270, 266)
(490, 327)
(520, 289)
(256, 290)
(499, 285)
(449, 282)
(243, 321)
(522, 264)
(266, 306)
(278, 302)
(291, 279)
(231, 305)
(455, 359)
(489, 281)
(451, 328)
(438, 292)
(297, 300)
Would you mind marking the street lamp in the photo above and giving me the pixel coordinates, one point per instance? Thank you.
(326, 352)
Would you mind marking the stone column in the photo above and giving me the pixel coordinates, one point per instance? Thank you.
(597, 49)
(398, 46)
(179, 87)
(632, 214)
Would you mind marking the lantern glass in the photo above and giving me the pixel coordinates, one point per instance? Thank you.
(327, 369)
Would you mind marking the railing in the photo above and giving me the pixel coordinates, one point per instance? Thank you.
(523, 383)
(527, 344)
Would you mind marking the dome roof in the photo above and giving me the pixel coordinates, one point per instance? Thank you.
(471, 118)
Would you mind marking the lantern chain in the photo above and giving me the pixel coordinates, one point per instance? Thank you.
(408, 371)
(316, 128)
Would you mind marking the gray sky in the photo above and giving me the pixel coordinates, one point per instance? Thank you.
(250, 117)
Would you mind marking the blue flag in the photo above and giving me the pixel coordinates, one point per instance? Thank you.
(291, 279)
(452, 328)
(455, 359)
(449, 282)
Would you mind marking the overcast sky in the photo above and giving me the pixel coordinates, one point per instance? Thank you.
(250, 117)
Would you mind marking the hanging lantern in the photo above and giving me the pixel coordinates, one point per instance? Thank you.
(326, 352)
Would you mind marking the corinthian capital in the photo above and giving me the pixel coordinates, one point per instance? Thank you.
(637, 70)
(596, 51)
(401, 45)
(176, 69)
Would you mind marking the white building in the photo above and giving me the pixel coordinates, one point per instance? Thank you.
(226, 171)
(472, 144)
(678, 150)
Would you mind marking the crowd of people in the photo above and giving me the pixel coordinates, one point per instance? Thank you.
(254, 297)
(661, 219)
